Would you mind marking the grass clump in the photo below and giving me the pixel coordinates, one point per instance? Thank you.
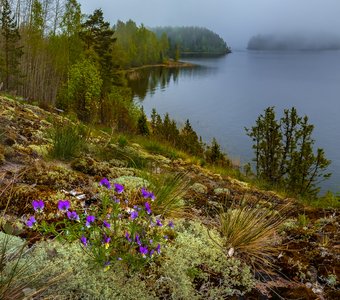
(251, 233)
(169, 190)
(68, 140)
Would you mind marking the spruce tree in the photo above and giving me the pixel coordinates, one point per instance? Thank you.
(142, 124)
(11, 51)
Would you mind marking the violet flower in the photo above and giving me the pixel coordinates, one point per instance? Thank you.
(158, 248)
(147, 194)
(38, 205)
(137, 240)
(106, 224)
(128, 237)
(105, 182)
(72, 215)
(143, 250)
(158, 223)
(106, 241)
(147, 207)
(63, 205)
(119, 188)
(30, 222)
(134, 215)
(171, 224)
(83, 240)
(89, 220)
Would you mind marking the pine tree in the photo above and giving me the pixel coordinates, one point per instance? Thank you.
(284, 152)
(11, 50)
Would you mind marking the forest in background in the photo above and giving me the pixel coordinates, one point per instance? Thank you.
(193, 40)
(53, 55)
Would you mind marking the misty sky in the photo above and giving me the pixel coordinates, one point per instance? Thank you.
(234, 20)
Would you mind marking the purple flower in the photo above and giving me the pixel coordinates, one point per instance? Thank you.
(72, 215)
(136, 207)
(89, 220)
(158, 223)
(171, 224)
(137, 240)
(83, 240)
(152, 196)
(158, 248)
(147, 194)
(119, 188)
(152, 252)
(143, 250)
(119, 258)
(30, 222)
(63, 205)
(147, 208)
(150, 241)
(166, 237)
(128, 237)
(105, 182)
(116, 200)
(134, 215)
(106, 224)
(38, 205)
(106, 241)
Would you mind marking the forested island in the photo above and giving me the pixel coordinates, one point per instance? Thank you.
(192, 40)
(293, 42)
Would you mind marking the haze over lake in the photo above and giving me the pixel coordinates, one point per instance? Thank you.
(226, 94)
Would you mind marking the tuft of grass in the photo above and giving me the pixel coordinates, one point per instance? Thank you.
(251, 232)
(169, 190)
(16, 278)
(68, 140)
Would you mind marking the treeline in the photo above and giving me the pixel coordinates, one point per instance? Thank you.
(49, 49)
(185, 139)
(192, 40)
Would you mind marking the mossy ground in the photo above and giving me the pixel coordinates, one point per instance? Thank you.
(192, 267)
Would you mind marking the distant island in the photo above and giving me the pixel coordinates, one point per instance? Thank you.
(193, 40)
(293, 42)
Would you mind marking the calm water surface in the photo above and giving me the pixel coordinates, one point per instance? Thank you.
(226, 94)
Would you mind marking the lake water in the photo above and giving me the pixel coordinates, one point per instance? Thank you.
(226, 94)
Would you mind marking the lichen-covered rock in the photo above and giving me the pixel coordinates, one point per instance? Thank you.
(199, 188)
(222, 191)
(132, 182)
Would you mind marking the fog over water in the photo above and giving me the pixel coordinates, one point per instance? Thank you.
(236, 21)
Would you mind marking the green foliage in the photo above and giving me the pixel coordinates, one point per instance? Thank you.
(284, 152)
(303, 220)
(82, 91)
(192, 40)
(67, 140)
(215, 156)
(10, 51)
(142, 124)
(122, 141)
(137, 46)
